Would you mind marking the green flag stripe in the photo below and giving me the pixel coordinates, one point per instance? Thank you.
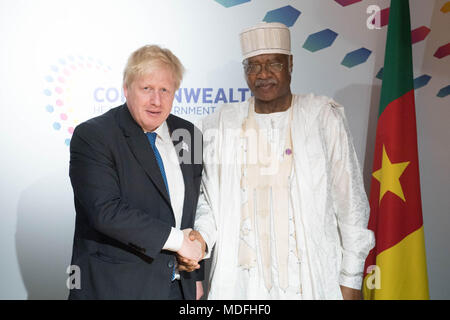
(398, 73)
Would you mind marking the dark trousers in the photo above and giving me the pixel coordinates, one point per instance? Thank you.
(176, 293)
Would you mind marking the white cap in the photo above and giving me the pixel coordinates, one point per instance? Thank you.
(265, 38)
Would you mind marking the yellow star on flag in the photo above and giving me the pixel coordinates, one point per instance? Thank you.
(389, 176)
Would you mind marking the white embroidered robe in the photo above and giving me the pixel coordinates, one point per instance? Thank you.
(330, 208)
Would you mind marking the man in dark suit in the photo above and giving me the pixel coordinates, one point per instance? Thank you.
(136, 173)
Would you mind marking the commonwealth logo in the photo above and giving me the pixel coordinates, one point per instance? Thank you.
(78, 88)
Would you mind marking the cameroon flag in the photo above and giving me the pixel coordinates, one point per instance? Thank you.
(396, 267)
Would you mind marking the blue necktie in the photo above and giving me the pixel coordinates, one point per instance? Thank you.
(152, 138)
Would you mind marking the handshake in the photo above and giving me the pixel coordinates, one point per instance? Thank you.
(192, 251)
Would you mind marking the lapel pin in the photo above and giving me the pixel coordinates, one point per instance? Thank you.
(184, 146)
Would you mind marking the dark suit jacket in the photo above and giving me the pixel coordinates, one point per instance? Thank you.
(123, 211)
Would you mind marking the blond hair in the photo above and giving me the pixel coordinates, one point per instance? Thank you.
(148, 57)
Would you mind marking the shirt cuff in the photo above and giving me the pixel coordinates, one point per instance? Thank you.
(175, 240)
(354, 282)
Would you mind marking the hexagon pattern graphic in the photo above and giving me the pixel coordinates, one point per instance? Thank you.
(380, 74)
(421, 81)
(345, 3)
(444, 92)
(231, 3)
(355, 58)
(287, 15)
(419, 34)
(446, 7)
(443, 51)
(320, 40)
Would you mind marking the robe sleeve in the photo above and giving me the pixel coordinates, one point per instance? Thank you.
(348, 196)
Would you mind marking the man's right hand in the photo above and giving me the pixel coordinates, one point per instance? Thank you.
(190, 249)
(185, 263)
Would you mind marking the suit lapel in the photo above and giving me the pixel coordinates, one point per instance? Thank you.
(140, 147)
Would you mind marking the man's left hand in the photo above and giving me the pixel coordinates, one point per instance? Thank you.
(351, 294)
(195, 235)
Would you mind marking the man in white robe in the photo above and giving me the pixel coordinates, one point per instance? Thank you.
(282, 201)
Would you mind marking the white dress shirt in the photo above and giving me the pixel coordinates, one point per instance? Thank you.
(175, 184)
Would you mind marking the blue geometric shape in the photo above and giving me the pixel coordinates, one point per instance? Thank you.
(56, 126)
(49, 108)
(67, 142)
(356, 57)
(49, 78)
(444, 92)
(421, 81)
(286, 15)
(380, 74)
(231, 3)
(320, 40)
(47, 92)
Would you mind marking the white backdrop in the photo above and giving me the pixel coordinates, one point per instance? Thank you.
(61, 63)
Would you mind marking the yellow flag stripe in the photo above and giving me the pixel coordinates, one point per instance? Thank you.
(400, 272)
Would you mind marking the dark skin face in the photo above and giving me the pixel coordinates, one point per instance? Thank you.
(272, 90)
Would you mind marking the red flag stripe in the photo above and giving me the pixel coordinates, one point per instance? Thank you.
(397, 132)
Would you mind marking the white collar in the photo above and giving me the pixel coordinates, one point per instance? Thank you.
(162, 132)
